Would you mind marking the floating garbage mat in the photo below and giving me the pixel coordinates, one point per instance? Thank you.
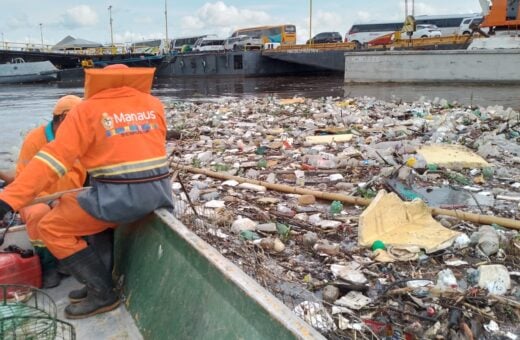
(305, 249)
(29, 313)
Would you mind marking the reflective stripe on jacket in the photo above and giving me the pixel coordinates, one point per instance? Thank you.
(35, 140)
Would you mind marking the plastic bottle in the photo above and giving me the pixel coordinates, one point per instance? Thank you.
(326, 164)
(410, 162)
(262, 163)
(488, 173)
(432, 167)
(461, 179)
(300, 178)
(248, 235)
(487, 240)
(261, 150)
(378, 245)
(336, 207)
(446, 280)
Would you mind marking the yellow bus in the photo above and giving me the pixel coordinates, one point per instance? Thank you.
(282, 34)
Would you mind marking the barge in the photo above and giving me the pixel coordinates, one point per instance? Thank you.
(231, 63)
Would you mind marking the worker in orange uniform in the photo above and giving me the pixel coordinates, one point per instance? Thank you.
(31, 215)
(118, 133)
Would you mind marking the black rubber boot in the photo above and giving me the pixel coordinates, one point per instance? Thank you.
(103, 244)
(87, 268)
(50, 276)
(78, 295)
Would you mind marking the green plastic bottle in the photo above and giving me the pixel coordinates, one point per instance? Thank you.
(336, 207)
(261, 150)
(248, 235)
(378, 245)
(432, 167)
(262, 163)
(459, 178)
(488, 173)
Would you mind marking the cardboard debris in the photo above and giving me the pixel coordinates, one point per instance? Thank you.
(402, 224)
(350, 272)
(452, 156)
(353, 300)
(327, 139)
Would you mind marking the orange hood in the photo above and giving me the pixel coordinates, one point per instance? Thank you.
(97, 80)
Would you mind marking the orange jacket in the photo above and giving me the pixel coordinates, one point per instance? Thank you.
(36, 139)
(118, 134)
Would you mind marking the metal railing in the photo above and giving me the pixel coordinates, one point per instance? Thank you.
(331, 46)
(397, 43)
(32, 47)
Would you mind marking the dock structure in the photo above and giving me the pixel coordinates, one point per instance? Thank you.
(324, 56)
(468, 66)
(331, 56)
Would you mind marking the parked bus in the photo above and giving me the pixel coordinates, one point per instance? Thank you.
(155, 46)
(363, 33)
(282, 34)
(447, 24)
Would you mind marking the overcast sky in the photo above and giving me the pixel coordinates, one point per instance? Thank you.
(137, 20)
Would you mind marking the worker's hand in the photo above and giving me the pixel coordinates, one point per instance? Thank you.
(7, 176)
(4, 209)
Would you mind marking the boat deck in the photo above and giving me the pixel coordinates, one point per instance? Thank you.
(117, 324)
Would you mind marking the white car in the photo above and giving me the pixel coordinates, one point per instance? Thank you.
(426, 31)
(467, 25)
(242, 42)
(208, 44)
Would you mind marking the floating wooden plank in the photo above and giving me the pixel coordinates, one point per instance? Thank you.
(291, 101)
(326, 139)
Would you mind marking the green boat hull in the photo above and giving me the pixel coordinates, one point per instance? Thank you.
(179, 287)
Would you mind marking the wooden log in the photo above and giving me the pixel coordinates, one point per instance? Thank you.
(461, 215)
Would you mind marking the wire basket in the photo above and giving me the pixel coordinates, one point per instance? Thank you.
(29, 313)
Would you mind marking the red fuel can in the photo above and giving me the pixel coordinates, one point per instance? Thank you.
(15, 269)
